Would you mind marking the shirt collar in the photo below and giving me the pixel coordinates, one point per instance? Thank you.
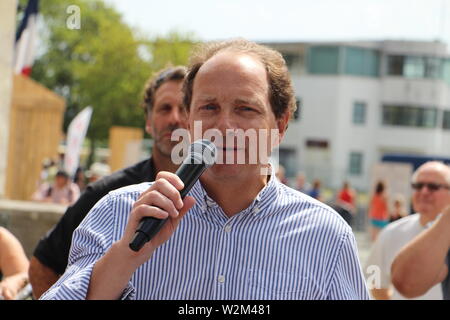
(259, 206)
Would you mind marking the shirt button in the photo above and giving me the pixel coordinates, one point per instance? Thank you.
(255, 210)
(221, 279)
(227, 228)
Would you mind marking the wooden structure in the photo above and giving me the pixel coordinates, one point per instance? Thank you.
(36, 120)
(124, 146)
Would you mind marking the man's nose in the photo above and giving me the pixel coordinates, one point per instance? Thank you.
(425, 190)
(178, 116)
(225, 121)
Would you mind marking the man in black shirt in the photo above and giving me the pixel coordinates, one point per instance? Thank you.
(164, 114)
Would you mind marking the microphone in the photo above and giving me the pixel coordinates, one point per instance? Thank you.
(201, 155)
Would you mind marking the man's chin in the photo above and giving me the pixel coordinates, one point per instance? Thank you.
(165, 149)
(427, 210)
(231, 170)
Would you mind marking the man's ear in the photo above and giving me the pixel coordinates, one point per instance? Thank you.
(148, 124)
(282, 124)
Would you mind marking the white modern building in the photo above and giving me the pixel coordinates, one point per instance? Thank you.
(360, 102)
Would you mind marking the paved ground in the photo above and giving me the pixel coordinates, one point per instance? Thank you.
(364, 244)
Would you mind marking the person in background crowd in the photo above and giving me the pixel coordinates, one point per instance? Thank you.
(301, 184)
(44, 175)
(398, 208)
(315, 190)
(62, 190)
(48, 171)
(346, 202)
(281, 174)
(378, 210)
(424, 262)
(430, 184)
(13, 266)
(80, 179)
(60, 162)
(164, 113)
(97, 171)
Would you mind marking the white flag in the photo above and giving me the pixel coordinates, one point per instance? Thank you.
(75, 137)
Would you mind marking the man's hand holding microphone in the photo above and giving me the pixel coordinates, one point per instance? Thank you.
(151, 222)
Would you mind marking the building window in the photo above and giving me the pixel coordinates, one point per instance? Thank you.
(434, 68)
(315, 143)
(359, 113)
(323, 60)
(417, 67)
(446, 71)
(395, 65)
(355, 163)
(446, 120)
(292, 60)
(296, 115)
(409, 116)
(414, 67)
(288, 159)
(361, 62)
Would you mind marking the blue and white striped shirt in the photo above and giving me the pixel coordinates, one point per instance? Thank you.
(285, 245)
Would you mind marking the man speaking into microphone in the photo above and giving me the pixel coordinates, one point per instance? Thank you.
(240, 233)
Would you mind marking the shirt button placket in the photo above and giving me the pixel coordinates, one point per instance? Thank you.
(224, 256)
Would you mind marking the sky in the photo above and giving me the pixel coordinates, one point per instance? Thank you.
(292, 20)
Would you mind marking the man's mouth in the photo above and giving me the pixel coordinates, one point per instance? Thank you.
(227, 149)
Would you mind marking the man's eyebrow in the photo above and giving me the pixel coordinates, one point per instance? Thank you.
(206, 99)
(251, 102)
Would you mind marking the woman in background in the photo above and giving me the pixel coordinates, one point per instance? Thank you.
(399, 210)
(378, 211)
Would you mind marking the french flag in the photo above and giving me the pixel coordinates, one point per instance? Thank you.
(26, 40)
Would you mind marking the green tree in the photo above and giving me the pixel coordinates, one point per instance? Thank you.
(174, 48)
(103, 64)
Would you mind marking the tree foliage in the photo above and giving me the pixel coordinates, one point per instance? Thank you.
(101, 64)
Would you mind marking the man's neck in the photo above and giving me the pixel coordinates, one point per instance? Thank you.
(427, 218)
(234, 195)
(162, 162)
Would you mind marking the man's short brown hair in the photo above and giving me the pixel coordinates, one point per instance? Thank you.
(177, 73)
(281, 92)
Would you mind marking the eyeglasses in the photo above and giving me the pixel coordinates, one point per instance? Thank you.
(431, 186)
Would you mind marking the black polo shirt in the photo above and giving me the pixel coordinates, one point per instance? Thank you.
(53, 249)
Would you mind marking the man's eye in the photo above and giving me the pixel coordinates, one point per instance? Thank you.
(246, 109)
(208, 107)
(165, 108)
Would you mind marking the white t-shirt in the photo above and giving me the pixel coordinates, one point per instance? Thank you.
(389, 242)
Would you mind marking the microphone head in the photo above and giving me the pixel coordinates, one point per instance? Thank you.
(202, 151)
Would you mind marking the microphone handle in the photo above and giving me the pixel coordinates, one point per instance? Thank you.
(150, 226)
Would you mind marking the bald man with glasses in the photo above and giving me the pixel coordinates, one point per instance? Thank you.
(423, 263)
(431, 195)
